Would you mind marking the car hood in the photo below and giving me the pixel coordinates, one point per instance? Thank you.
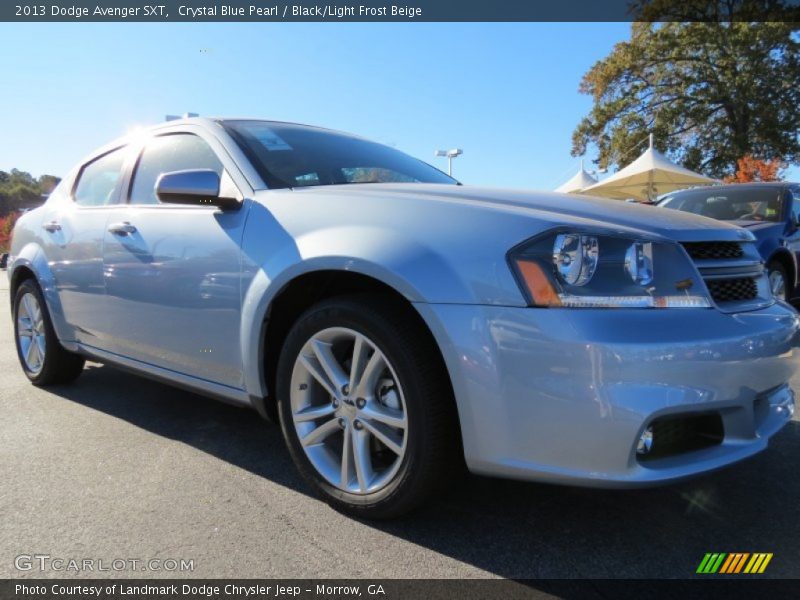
(763, 229)
(757, 225)
(557, 209)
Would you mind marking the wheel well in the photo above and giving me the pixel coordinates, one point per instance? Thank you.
(301, 294)
(787, 263)
(20, 274)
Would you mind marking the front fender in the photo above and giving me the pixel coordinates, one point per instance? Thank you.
(772, 249)
(263, 290)
(31, 256)
(282, 243)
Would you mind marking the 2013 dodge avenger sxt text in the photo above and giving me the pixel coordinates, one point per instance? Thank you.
(398, 322)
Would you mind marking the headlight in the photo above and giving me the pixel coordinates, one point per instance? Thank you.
(639, 262)
(598, 269)
(575, 257)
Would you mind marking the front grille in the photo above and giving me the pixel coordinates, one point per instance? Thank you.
(733, 273)
(732, 290)
(675, 435)
(714, 250)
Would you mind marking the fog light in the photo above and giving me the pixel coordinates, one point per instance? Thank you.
(645, 442)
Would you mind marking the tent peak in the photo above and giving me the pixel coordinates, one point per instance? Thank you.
(578, 182)
(649, 175)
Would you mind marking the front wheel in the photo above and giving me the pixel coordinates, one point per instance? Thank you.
(778, 281)
(44, 360)
(365, 406)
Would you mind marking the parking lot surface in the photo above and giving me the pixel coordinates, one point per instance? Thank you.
(119, 467)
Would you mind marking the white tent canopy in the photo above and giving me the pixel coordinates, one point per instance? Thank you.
(577, 183)
(645, 178)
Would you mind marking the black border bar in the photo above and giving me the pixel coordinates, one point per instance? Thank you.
(397, 10)
(713, 587)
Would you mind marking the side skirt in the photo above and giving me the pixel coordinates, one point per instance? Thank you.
(187, 382)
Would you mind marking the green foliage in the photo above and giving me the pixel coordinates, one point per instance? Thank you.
(19, 190)
(711, 92)
(47, 183)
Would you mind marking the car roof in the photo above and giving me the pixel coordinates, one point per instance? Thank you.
(207, 122)
(752, 185)
(210, 121)
(737, 186)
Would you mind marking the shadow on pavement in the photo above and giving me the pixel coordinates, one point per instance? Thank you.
(513, 529)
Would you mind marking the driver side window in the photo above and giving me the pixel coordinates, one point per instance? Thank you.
(168, 153)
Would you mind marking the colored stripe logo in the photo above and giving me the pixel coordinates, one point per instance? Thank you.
(734, 562)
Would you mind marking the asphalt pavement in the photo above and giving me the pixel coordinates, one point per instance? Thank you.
(118, 467)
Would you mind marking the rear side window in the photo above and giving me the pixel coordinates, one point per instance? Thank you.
(167, 153)
(97, 182)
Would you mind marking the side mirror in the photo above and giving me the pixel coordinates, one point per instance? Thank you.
(200, 187)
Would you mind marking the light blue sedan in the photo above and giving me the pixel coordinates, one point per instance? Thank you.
(399, 324)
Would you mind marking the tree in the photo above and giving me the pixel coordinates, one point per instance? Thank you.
(21, 178)
(6, 225)
(20, 190)
(752, 169)
(711, 92)
(47, 183)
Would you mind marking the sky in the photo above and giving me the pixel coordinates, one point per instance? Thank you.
(506, 93)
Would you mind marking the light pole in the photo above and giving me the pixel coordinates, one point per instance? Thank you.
(450, 154)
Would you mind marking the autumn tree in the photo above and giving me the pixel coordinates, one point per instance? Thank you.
(711, 92)
(752, 169)
(6, 226)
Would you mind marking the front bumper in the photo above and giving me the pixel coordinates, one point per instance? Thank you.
(563, 395)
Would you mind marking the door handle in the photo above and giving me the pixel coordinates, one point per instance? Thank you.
(122, 228)
(52, 226)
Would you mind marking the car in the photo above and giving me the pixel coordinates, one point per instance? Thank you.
(3, 260)
(770, 210)
(398, 325)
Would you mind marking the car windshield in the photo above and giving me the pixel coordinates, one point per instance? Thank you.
(745, 204)
(287, 156)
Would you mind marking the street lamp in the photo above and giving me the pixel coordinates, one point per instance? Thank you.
(450, 154)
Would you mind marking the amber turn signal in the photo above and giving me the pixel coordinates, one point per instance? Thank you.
(539, 286)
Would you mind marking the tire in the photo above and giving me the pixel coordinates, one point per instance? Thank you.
(55, 365)
(414, 382)
(776, 272)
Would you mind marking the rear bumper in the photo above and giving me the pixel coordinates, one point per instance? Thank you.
(564, 395)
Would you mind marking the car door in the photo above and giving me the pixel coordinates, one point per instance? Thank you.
(172, 272)
(73, 229)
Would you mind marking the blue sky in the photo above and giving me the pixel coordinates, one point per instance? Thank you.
(505, 93)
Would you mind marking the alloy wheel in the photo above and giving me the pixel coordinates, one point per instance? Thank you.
(777, 284)
(348, 410)
(31, 333)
